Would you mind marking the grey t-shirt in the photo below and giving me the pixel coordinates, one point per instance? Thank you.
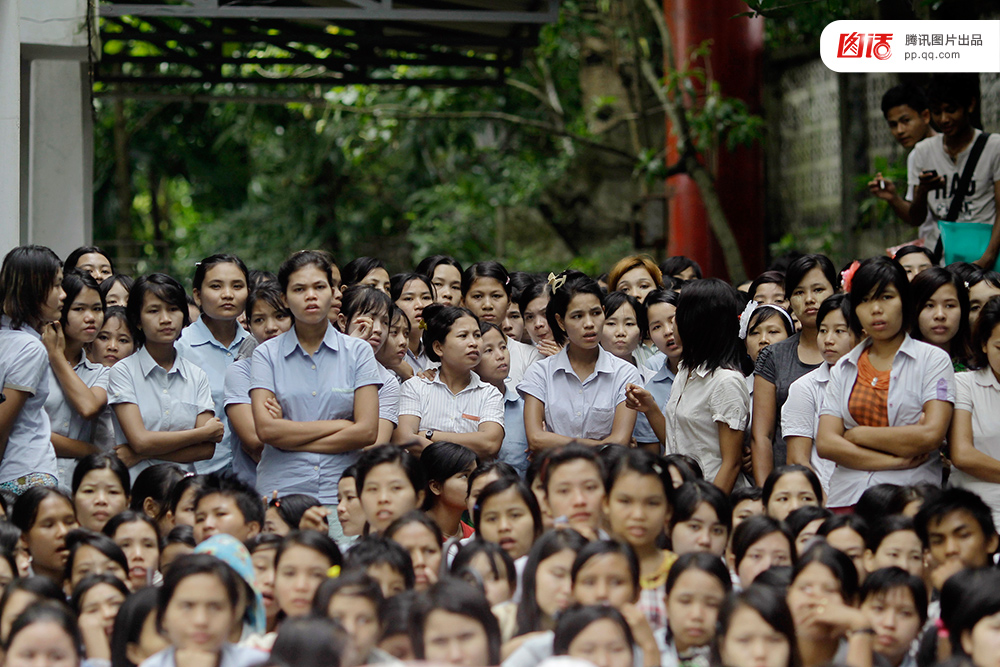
(780, 365)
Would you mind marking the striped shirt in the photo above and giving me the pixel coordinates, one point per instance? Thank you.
(441, 410)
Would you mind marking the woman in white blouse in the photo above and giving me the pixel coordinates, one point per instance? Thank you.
(975, 432)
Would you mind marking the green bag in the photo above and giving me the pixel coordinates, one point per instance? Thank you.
(965, 241)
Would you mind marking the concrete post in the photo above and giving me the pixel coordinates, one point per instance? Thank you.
(10, 133)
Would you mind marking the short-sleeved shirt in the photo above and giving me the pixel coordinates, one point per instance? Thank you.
(780, 365)
(514, 449)
(659, 385)
(522, 356)
(579, 408)
(441, 410)
(920, 373)
(199, 346)
(25, 368)
(978, 392)
(237, 392)
(800, 417)
(65, 420)
(388, 395)
(979, 204)
(699, 401)
(167, 400)
(312, 387)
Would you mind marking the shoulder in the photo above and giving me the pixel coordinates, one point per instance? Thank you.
(924, 146)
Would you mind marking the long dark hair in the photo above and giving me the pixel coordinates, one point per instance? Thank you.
(924, 285)
(27, 275)
(161, 286)
(131, 617)
(770, 605)
(573, 283)
(708, 325)
(873, 277)
(529, 616)
(457, 597)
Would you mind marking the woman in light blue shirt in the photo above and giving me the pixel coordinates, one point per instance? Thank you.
(162, 402)
(314, 391)
(32, 298)
(220, 291)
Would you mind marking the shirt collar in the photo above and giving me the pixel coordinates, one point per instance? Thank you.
(664, 373)
(289, 341)
(986, 378)
(147, 364)
(604, 361)
(909, 348)
(5, 323)
(87, 363)
(199, 334)
(474, 383)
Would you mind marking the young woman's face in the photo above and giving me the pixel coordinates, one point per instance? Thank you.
(223, 293)
(113, 343)
(85, 316)
(161, 322)
(602, 643)
(96, 264)
(377, 325)
(477, 487)
(575, 491)
(979, 294)
(982, 643)
(702, 532)
(806, 534)
(584, 321)
(273, 523)
(535, 321)
(359, 616)
(745, 509)
(791, 491)
(7, 575)
(835, 337)
(772, 550)
(693, 608)
(99, 607)
(396, 343)
(141, 545)
(52, 303)
(117, 295)
(47, 536)
(297, 576)
(460, 348)
(620, 335)
(150, 641)
(266, 322)
(43, 643)
(663, 331)
(309, 295)
(881, 316)
(99, 497)
(768, 332)
(637, 283)
(454, 492)
(87, 560)
(772, 294)
(424, 550)
(447, 282)
(513, 323)
(377, 278)
(349, 511)
(637, 508)
(815, 583)
(605, 579)
(849, 541)
(488, 300)
(505, 519)
(992, 350)
(455, 639)
(940, 316)
(412, 300)
(807, 296)
(494, 359)
(387, 495)
(753, 642)
(199, 614)
(914, 263)
(902, 549)
(338, 293)
(184, 515)
(263, 570)
(893, 615)
(495, 583)
(553, 584)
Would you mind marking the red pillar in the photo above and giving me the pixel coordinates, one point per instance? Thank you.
(736, 63)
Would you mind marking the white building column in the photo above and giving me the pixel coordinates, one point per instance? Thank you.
(10, 132)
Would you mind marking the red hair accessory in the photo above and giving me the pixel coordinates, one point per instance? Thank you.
(847, 275)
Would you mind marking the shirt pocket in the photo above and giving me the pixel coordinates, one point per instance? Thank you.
(180, 416)
(599, 423)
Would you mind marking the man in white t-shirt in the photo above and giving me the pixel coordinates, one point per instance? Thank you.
(908, 115)
(938, 163)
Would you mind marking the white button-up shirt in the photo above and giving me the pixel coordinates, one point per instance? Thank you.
(699, 401)
(167, 400)
(441, 410)
(65, 420)
(978, 393)
(575, 407)
(800, 417)
(920, 373)
(25, 367)
(388, 395)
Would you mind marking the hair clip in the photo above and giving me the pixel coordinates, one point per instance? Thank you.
(745, 318)
(277, 502)
(333, 572)
(555, 282)
(422, 325)
(847, 275)
(657, 469)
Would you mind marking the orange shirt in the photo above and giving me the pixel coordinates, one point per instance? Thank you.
(870, 397)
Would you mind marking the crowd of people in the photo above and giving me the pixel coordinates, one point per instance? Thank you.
(333, 465)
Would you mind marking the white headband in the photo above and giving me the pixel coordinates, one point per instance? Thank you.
(749, 310)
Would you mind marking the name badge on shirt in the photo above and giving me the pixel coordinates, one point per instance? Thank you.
(470, 417)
